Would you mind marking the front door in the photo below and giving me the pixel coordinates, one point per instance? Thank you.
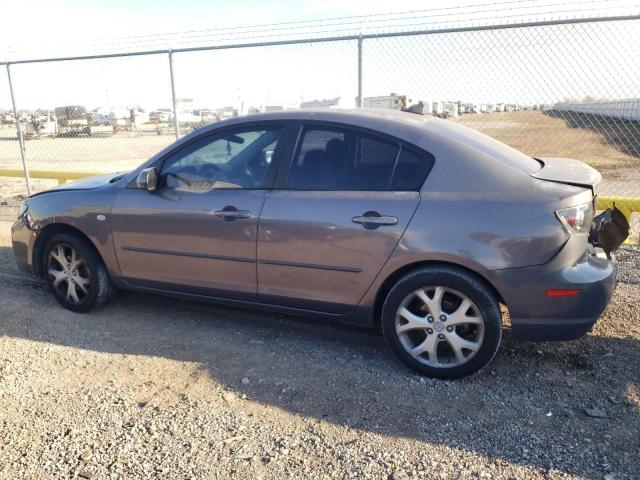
(197, 232)
(328, 231)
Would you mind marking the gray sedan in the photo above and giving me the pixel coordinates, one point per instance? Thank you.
(414, 225)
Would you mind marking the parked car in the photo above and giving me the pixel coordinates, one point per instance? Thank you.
(101, 116)
(416, 225)
(127, 118)
(159, 116)
(7, 118)
(208, 115)
(40, 125)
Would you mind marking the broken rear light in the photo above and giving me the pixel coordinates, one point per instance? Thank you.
(576, 219)
(609, 230)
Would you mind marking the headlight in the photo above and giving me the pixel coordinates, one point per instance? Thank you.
(24, 207)
(576, 219)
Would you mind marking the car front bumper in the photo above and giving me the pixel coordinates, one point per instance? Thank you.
(535, 316)
(23, 239)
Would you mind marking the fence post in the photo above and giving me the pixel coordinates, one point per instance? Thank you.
(19, 131)
(359, 102)
(173, 96)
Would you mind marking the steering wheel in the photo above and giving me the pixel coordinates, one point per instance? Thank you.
(256, 166)
(179, 177)
(211, 171)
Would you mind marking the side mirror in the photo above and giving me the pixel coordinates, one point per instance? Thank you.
(148, 179)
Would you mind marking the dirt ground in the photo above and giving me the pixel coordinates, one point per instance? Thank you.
(101, 153)
(150, 387)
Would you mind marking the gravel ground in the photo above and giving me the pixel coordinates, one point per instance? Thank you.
(150, 387)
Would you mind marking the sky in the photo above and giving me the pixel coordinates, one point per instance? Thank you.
(524, 66)
(78, 20)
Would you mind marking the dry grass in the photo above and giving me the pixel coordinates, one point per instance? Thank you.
(537, 134)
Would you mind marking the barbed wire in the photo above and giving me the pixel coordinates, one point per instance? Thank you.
(432, 18)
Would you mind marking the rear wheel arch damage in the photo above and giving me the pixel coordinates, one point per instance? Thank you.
(394, 277)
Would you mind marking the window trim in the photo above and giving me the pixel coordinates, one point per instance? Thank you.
(298, 128)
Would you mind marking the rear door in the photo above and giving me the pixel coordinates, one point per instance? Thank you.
(338, 211)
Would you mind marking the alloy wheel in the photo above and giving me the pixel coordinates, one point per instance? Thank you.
(439, 326)
(69, 273)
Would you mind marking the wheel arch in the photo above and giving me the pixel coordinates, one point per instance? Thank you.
(49, 231)
(393, 278)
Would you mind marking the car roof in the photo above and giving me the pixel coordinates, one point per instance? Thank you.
(343, 114)
(363, 117)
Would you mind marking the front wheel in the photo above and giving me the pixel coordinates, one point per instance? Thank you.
(443, 322)
(76, 274)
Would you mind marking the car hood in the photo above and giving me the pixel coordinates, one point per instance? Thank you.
(89, 183)
(567, 171)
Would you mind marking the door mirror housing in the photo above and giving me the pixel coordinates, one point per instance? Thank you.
(148, 179)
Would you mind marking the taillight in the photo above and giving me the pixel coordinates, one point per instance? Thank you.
(576, 219)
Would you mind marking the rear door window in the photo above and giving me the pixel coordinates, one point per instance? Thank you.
(342, 159)
(374, 163)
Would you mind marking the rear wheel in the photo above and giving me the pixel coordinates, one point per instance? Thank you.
(76, 274)
(442, 321)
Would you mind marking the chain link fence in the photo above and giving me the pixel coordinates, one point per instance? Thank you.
(76, 136)
(564, 88)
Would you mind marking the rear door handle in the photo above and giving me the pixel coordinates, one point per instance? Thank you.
(231, 213)
(375, 220)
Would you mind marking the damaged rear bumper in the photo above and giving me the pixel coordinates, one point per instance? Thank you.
(537, 316)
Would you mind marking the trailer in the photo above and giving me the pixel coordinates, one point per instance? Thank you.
(73, 120)
(389, 102)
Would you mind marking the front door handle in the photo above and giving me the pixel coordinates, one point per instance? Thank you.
(375, 220)
(231, 213)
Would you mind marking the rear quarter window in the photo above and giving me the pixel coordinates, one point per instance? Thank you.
(411, 170)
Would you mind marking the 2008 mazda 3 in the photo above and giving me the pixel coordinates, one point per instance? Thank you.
(416, 225)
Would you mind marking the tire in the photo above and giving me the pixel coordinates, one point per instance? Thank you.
(431, 346)
(91, 282)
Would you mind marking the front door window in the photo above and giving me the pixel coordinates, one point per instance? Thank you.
(237, 159)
